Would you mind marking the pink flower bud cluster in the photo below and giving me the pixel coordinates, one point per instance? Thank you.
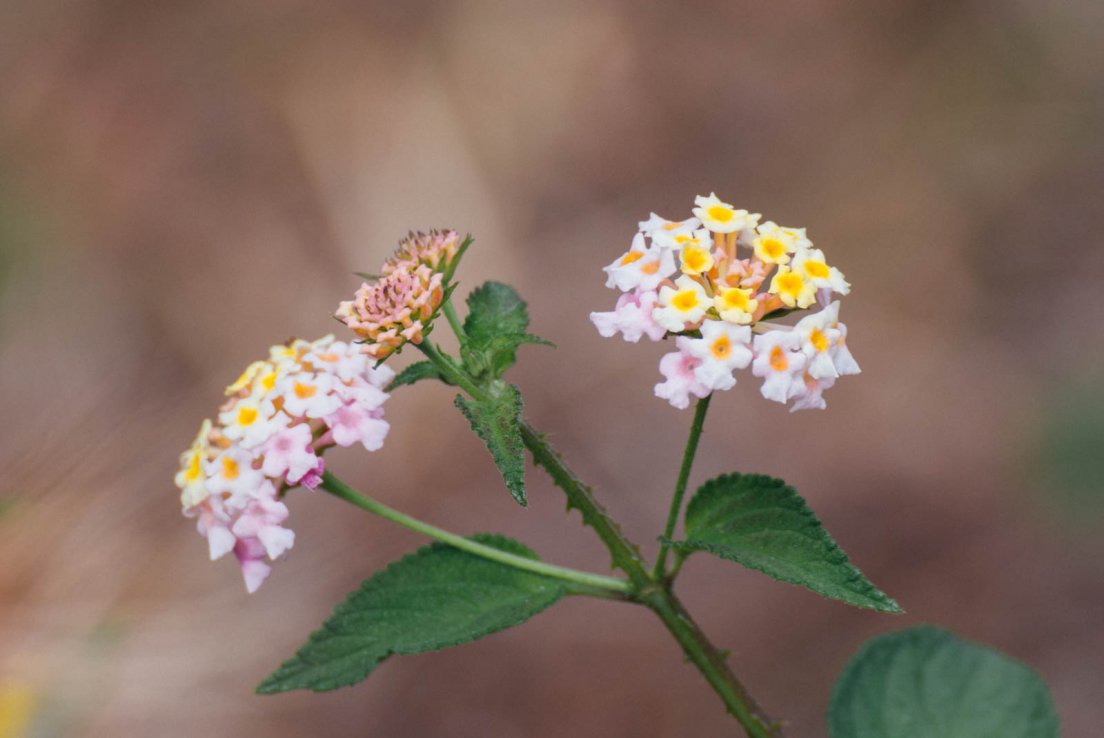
(394, 309)
(435, 249)
(282, 413)
(687, 279)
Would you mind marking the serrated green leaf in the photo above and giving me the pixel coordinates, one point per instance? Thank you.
(437, 597)
(416, 372)
(927, 683)
(763, 524)
(493, 309)
(497, 422)
(494, 327)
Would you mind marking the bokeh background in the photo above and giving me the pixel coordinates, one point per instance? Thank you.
(183, 184)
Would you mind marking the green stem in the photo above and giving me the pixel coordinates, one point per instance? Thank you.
(454, 320)
(696, 426)
(626, 556)
(448, 368)
(712, 665)
(652, 591)
(339, 489)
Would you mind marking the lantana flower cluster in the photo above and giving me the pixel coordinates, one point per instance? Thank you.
(280, 415)
(717, 282)
(398, 307)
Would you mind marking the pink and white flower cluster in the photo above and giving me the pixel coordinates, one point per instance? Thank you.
(282, 413)
(688, 279)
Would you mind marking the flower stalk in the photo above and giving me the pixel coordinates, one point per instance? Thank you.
(343, 491)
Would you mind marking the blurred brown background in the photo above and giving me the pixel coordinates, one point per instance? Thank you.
(182, 184)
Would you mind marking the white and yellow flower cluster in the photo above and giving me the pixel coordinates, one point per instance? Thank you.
(688, 279)
(282, 413)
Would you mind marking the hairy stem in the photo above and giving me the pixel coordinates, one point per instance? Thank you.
(696, 426)
(339, 489)
(453, 320)
(712, 665)
(653, 591)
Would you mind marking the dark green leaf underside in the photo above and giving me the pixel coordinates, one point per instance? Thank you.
(415, 372)
(436, 597)
(927, 683)
(496, 421)
(763, 524)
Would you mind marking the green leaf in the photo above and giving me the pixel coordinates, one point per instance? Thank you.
(927, 683)
(416, 372)
(497, 421)
(763, 524)
(495, 326)
(437, 597)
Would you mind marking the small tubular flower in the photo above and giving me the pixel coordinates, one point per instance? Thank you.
(681, 306)
(681, 379)
(792, 288)
(735, 305)
(716, 298)
(810, 264)
(781, 364)
(772, 244)
(722, 349)
(642, 267)
(720, 217)
(631, 317)
(281, 415)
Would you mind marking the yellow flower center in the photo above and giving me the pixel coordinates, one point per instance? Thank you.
(735, 299)
(720, 213)
(778, 360)
(247, 415)
(773, 248)
(818, 339)
(721, 348)
(230, 469)
(303, 391)
(194, 469)
(632, 256)
(816, 269)
(650, 268)
(790, 283)
(695, 260)
(685, 301)
(268, 381)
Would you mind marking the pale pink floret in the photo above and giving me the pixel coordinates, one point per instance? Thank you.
(356, 423)
(681, 381)
(213, 522)
(781, 364)
(288, 454)
(261, 519)
(722, 349)
(631, 317)
(250, 553)
(813, 397)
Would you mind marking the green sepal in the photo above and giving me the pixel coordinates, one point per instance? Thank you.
(763, 524)
(497, 421)
(434, 598)
(927, 683)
